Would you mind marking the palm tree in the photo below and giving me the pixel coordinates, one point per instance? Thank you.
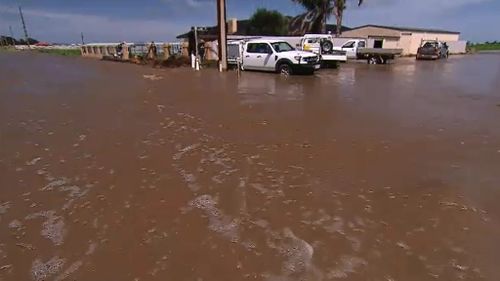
(319, 11)
(325, 8)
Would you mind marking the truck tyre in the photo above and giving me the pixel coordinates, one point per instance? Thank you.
(372, 60)
(326, 46)
(285, 69)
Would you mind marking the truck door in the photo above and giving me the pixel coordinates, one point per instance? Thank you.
(257, 56)
(350, 48)
(269, 62)
(359, 45)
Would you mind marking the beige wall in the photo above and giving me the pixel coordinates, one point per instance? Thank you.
(391, 43)
(408, 41)
(457, 47)
(405, 42)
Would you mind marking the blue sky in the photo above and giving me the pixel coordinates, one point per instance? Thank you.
(162, 20)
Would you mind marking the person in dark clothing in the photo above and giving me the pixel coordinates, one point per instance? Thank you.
(201, 50)
(119, 50)
(152, 51)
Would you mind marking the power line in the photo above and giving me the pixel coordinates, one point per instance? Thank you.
(24, 27)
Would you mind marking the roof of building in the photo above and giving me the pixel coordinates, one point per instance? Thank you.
(409, 29)
(242, 29)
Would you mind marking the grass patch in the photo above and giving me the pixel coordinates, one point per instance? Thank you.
(7, 48)
(210, 64)
(175, 61)
(61, 52)
(493, 46)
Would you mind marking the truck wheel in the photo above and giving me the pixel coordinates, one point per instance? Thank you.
(285, 69)
(372, 60)
(326, 46)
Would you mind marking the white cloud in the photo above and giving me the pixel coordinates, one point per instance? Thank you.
(190, 3)
(199, 3)
(435, 6)
(53, 26)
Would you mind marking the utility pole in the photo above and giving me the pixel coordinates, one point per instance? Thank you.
(24, 28)
(196, 41)
(12, 36)
(83, 42)
(221, 26)
(197, 59)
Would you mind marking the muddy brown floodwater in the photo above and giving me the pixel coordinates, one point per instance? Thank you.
(111, 171)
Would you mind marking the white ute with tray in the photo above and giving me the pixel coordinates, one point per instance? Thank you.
(356, 49)
(271, 55)
(322, 45)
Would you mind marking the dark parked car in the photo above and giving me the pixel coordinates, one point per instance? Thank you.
(433, 50)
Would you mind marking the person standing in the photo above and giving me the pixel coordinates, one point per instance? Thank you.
(119, 50)
(152, 51)
(201, 51)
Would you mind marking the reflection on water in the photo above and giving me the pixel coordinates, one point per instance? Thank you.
(476, 74)
(405, 70)
(347, 76)
(265, 87)
(360, 173)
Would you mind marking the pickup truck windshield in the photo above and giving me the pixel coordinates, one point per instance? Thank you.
(282, 47)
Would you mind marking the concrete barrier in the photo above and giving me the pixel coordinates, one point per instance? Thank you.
(164, 50)
(98, 50)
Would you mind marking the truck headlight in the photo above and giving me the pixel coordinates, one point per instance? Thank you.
(298, 58)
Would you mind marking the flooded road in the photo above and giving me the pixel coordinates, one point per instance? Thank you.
(111, 171)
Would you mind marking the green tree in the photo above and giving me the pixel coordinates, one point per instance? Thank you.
(325, 9)
(266, 22)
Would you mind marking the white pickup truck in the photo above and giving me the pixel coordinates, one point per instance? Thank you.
(322, 45)
(356, 49)
(271, 55)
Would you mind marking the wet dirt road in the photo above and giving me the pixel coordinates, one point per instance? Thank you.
(363, 173)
